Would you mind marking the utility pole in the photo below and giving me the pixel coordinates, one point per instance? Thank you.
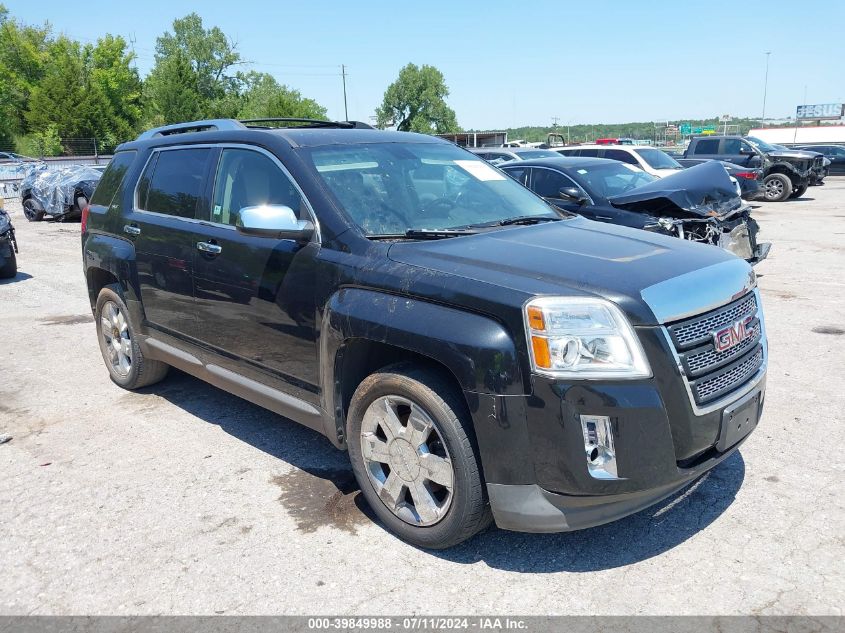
(343, 73)
(555, 119)
(765, 89)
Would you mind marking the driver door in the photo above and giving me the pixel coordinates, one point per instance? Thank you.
(254, 295)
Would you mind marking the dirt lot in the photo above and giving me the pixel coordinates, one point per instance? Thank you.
(184, 499)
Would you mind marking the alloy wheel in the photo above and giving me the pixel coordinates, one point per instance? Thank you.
(407, 461)
(118, 343)
(774, 188)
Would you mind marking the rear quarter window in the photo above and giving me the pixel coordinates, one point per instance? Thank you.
(707, 146)
(112, 178)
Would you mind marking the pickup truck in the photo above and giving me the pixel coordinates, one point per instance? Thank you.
(786, 173)
(481, 355)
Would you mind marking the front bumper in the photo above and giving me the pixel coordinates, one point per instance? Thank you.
(532, 447)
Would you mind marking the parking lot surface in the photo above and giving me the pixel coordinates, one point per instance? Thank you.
(183, 499)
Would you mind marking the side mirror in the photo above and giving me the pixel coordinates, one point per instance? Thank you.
(572, 194)
(747, 151)
(274, 220)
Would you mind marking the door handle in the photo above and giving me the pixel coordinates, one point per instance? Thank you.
(132, 229)
(208, 247)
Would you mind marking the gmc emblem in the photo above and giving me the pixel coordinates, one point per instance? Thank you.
(733, 334)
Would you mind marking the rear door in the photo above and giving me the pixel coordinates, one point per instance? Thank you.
(161, 224)
(255, 295)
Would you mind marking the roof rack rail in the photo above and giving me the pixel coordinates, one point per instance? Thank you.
(307, 123)
(208, 125)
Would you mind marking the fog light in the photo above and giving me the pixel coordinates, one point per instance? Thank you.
(598, 446)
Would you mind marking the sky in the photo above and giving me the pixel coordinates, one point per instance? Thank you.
(510, 63)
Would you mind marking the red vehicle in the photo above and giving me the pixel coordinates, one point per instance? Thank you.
(607, 141)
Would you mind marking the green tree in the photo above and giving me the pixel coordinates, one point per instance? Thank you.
(111, 73)
(23, 55)
(416, 102)
(263, 96)
(46, 143)
(171, 92)
(200, 58)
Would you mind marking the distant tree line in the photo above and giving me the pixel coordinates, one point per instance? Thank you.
(54, 90)
(585, 132)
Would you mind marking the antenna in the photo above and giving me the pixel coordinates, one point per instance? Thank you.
(343, 73)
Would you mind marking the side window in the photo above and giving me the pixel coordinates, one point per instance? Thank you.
(517, 173)
(112, 178)
(592, 153)
(173, 183)
(246, 178)
(733, 146)
(707, 146)
(620, 155)
(548, 183)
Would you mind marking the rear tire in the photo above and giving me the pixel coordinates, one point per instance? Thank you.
(127, 365)
(798, 192)
(421, 474)
(10, 268)
(777, 187)
(31, 211)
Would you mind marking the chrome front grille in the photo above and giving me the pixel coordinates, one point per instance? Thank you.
(702, 362)
(712, 374)
(727, 380)
(699, 329)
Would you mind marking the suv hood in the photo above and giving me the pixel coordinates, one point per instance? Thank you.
(702, 190)
(571, 257)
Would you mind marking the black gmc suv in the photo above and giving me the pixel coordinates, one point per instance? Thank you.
(481, 355)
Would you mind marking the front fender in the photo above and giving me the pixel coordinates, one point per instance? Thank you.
(479, 351)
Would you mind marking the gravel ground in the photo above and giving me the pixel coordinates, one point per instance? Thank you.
(183, 499)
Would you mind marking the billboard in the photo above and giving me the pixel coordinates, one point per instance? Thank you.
(820, 111)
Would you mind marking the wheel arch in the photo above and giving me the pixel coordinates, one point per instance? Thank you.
(110, 260)
(365, 330)
(787, 170)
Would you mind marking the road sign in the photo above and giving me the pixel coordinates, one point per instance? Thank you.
(686, 129)
(820, 111)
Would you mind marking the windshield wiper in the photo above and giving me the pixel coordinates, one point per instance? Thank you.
(520, 219)
(423, 234)
(526, 219)
(436, 234)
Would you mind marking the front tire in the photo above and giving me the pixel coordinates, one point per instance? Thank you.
(127, 365)
(777, 187)
(31, 211)
(798, 192)
(413, 453)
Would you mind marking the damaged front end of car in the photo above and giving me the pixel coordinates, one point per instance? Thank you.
(699, 204)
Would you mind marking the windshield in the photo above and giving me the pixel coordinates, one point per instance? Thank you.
(658, 159)
(609, 179)
(763, 146)
(393, 188)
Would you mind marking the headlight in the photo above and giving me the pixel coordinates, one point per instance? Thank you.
(579, 337)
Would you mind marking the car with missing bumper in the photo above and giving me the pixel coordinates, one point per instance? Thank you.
(481, 355)
(699, 204)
